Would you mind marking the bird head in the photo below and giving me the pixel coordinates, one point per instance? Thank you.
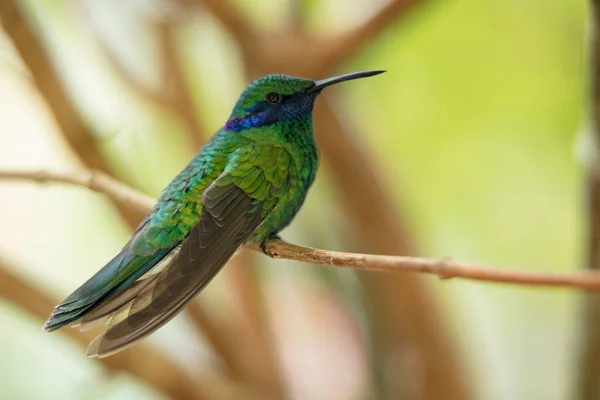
(275, 98)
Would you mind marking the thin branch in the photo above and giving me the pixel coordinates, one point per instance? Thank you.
(93, 180)
(143, 361)
(444, 268)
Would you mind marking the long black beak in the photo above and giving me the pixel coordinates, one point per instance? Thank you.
(319, 85)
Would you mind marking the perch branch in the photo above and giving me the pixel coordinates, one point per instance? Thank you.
(143, 361)
(444, 268)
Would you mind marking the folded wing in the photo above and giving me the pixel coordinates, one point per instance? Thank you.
(229, 216)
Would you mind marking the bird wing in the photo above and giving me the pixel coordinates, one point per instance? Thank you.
(233, 206)
(158, 236)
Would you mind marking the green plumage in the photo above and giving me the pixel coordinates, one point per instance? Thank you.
(246, 184)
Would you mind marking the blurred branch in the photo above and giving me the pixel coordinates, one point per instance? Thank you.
(143, 361)
(38, 61)
(175, 84)
(297, 14)
(154, 95)
(587, 385)
(303, 53)
(349, 43)
(259, 359)
(215, 337)
(228, 15)
(444, 268)
(94, 180)
(172, 91)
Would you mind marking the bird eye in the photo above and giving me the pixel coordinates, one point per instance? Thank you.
(273, 98)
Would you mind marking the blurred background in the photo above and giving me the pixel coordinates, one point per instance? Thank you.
(473, 145)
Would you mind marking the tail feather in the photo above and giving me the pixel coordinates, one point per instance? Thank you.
(107, 310)
(114, 278)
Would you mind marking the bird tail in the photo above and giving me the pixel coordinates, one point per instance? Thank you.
(115, 277)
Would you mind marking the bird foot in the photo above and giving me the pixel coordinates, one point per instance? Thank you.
(263, 245)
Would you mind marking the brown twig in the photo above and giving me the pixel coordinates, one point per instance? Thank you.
(94, 180)
(444, 268)
(143, 361)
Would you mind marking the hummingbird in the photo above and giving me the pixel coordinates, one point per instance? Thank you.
(244, 185)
